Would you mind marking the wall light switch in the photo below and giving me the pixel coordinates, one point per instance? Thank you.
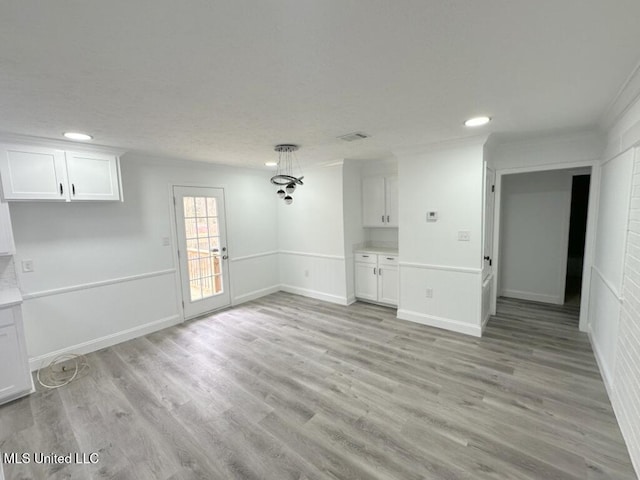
(464, 235)
(432, 216)
(27, 266)
(429, 293)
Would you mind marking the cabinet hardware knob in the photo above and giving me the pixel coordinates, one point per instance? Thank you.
(61, 190)
(73, 188)
(387, 218)
(382, 218)
(374, 271)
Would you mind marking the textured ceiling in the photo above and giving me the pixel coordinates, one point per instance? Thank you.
(224, 81)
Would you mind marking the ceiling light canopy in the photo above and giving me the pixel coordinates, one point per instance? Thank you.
(271, 164)
(77, 136)
(477, 121)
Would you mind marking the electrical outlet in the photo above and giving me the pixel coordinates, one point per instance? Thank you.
(27, 266)
(464, 236)
(429, 292)
(165, 241)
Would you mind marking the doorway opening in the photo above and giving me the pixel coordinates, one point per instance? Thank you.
(577, 237)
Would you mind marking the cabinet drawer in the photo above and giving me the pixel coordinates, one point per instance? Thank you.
(367, 258)
(388, 259)
(6, 317)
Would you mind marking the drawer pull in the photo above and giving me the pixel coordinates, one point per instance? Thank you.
(374, 270)
(365, 256)
(390, 258)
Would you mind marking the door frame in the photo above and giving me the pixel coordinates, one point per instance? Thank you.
(592, 215)
(174, 244)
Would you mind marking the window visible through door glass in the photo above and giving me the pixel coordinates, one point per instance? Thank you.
(203, 247)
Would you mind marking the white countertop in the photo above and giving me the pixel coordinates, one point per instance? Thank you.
(10, 297)
(378, 250)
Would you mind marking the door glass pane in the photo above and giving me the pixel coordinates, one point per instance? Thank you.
(203, 247)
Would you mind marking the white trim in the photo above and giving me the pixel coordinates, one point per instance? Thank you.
(327, 297)
(255, 255)
(440, 322)
(351, 299)
(602, 365)
(626, 96)
(534, 297)
(309, 254)
(102, 283)
(106, 341)
(247, 297)
(59, 144)
(608, 284)
(448, 268)
(548, 167)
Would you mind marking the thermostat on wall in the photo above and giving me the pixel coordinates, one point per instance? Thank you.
(432, 216)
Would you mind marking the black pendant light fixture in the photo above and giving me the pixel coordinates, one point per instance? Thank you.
(285, 177)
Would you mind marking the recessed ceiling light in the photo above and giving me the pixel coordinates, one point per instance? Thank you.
(477, 121)
(77, 136)
(271, 164)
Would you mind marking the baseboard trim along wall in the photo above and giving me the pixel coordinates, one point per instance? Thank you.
(602, 365)
(247, 297)
(439, 322)
(340, 300)
(101, 283)
(534, 297)
(107, 341)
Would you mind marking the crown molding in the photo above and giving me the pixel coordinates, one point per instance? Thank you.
(628, 94)
(58, 144)
(413, 150)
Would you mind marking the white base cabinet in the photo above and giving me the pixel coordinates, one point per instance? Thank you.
(15, 377)
(376, 278)
(42, 173)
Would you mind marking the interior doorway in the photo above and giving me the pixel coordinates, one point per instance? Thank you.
(577, 237)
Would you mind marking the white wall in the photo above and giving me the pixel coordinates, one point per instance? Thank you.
(534, 235)
(354, 235)
(448, 178)
(614, 320)
(311, 237)
(102, 274)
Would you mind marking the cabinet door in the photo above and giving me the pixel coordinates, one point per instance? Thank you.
(93, 176)
(388, 284)
(391, 200)
(14, 374)
(373, 211)
(7, 246)
(33, 173)
(367, 281)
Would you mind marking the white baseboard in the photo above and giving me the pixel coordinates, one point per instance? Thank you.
(534, 297)
(108, 340)
(315, 294)
(247, 297)
(351, 299)
(440, 322)
(485, 320)
(602, 366)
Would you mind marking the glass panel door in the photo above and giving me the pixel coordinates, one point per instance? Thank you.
(202, 249)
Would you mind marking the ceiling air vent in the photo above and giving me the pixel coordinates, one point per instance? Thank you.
(352, 137)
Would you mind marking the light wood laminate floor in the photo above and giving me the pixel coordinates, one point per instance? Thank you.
(287, 387)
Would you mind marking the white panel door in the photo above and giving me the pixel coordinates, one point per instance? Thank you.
(373, 207)
(367, 281)
(93, 176)
(489, 179)
(202, 249)
(33, 173)
(388, 284)
(391, 197)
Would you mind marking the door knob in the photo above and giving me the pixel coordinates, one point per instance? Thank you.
(224, 257)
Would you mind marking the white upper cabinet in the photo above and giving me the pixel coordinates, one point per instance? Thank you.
(33, 173)
(380, 201)
(92, 176)
(41, 173)
(7, 246)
